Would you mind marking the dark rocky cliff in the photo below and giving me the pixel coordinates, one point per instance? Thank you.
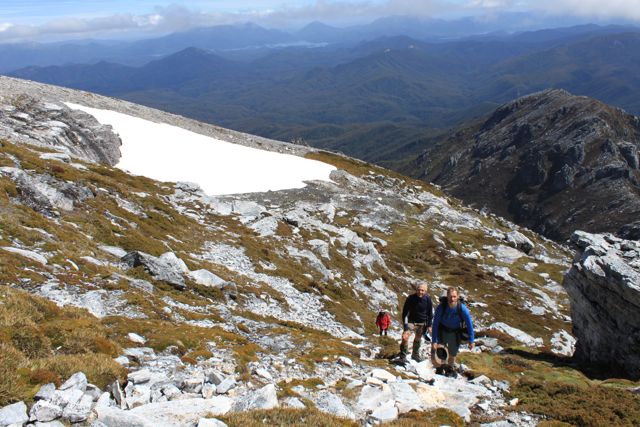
(551, 161)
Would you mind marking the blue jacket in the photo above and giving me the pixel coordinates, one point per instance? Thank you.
(451, 320)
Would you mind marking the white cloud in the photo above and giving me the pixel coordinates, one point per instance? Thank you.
(178, 18)
(489, 4)
(622, 9)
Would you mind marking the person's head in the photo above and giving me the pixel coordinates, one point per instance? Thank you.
(421, 290)
(452, 296)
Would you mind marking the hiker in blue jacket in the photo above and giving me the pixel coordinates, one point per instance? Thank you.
(451, 321)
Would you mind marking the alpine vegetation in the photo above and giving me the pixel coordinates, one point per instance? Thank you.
(152, 276)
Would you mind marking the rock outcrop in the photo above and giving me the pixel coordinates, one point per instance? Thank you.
(550, 161)
(54, 125)
(604, 287)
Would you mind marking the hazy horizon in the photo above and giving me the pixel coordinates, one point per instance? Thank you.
(50, 21)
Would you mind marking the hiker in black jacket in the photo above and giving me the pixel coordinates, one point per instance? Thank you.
(417, 314)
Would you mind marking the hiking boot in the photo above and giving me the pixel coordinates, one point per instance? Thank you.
(449, 372)
(440, 371)
(417, 358)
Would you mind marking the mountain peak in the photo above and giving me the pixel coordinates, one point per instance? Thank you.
(530, 156)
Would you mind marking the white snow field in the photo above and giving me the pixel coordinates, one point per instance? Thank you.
(169, 153)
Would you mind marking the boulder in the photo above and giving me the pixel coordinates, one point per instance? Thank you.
(519, 241)
(44, 411)
(15, 413)
(264, 398)
(332, 404)
(80, 410)
(604, 287)
(166, 270)
(45, 392)
(76, 381)
(206, 278)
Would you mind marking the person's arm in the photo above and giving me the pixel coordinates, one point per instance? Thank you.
(467, 320)
(429, 314)
(436, 324)
(405, 311)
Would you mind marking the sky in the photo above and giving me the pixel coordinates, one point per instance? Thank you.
(171, 154)
(59, 19)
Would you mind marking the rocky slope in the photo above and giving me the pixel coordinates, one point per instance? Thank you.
(126, 301)
(604, 284)
(550, 161)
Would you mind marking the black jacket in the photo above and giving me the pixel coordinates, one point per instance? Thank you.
(417, 310)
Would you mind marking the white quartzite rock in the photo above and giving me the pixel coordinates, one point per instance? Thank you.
(264, 398)
(226, 385)
(206, 278)
(34, 256)
(165, 414)
(44, 411)
(80, 410)
(136, 338)
(332, 404)
(210, 422)
(385, 412)
(15, 413)
(45, 392)
(405, 397)
(517, 334)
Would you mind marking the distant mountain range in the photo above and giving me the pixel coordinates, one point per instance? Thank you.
(379, 100)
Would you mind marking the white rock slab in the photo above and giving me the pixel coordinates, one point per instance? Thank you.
(385, 412)
(371, 397)
(33, 256)
(166, 414)
(517, 334)
(406, 397)
(383, 375)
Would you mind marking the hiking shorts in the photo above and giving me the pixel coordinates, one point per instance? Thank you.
(418, 328)
(451, 340)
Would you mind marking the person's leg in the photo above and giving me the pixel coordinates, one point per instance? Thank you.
(436, 362)
(404, 343)
(417, 340)
(450, 340)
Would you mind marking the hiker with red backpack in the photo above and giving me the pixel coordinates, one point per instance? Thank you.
(383, 321)
(451, 325)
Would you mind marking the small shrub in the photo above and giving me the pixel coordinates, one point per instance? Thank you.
(100, 369)
(12, 388)
(44, 376)
(30, 341)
